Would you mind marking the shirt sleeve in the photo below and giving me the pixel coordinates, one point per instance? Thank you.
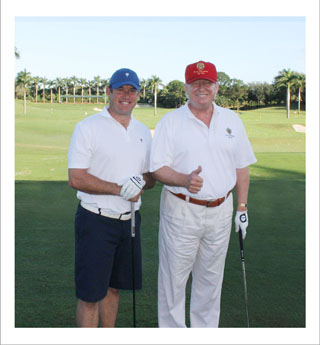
(80, 149)
(162, 146)
(244, 155)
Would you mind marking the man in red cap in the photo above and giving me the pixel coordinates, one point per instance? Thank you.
(200, 152)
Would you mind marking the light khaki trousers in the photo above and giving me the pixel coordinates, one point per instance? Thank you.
(195, 239)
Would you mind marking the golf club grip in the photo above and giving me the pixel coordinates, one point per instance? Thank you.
(244, 275)
(241, 245)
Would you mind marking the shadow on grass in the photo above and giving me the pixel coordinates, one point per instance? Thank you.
(275, 258)
(274, 251)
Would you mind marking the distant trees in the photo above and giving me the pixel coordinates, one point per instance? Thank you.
(74, 82)
(90, 85)
(300, 83)
(97, 81)
(104, 84)
(51, 85)
(24, 79)
(238, 93)
(153, 83)
(173, 95)
(66, 82)
(233, 93)
(36, 80)
(285, 79)
(143, 85)
(83, 84)
(16, 53)
(260, 93)
(58, 85)
(44, 85)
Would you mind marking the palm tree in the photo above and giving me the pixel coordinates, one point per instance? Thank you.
(24, 79)
(36, 80)
(90, 85)
(51, 84)
(16, 53)
(104, 84)
(286, 79)
(44, 84)
(74, 82)
(143, 84)
(300, 82)
(154, 83)
(82, 83)
(97, 81)
(59, 84)
(66, 82)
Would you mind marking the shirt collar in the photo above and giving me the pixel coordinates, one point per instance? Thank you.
(105, 113)
(191, 116)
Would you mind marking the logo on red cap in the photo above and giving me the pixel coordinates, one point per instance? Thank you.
(200, 66)
(201, 70)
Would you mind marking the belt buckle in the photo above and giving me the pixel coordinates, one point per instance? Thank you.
(124, 214)
(208, 202)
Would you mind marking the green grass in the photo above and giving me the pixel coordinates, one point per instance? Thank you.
(42, 136)
(44, 234)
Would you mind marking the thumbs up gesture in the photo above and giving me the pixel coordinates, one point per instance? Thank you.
(194, 181)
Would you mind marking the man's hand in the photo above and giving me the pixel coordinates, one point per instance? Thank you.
(194, 181)
(132, 188)
(241, 222)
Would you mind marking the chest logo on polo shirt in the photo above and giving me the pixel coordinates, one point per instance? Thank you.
(229, 133)
(141, 140)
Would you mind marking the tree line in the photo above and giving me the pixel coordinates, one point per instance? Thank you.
(286, 87)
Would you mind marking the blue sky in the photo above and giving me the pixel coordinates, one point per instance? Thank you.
(253, 49)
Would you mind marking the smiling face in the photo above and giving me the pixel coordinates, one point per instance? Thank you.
(201, 93)
(122, 100)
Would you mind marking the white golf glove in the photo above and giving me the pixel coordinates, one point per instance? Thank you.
(241, 222)
(132, 187)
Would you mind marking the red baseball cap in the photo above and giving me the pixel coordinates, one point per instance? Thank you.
(201, 70)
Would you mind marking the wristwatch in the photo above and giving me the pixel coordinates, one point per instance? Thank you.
(242, 204)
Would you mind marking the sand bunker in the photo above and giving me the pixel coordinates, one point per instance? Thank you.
(299, 128)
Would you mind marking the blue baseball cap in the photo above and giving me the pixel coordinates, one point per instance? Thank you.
(124, 76)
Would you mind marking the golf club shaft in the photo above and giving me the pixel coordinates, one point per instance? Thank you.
(133, 234)
(133, 220)
(244, 276)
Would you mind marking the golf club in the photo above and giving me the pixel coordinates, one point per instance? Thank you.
(133, 235)
(244, 275)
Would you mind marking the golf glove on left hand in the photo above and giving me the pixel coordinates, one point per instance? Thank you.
(132, 187)
(241, 222)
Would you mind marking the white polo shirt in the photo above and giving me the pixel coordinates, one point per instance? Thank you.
(109, 151)
(183, 142)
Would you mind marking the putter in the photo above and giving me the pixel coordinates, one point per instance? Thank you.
(244, 275)
(133, 235)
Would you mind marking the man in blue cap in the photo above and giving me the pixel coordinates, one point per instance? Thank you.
(108, 163)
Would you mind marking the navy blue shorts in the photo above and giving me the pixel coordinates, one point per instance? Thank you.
(103, 255)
